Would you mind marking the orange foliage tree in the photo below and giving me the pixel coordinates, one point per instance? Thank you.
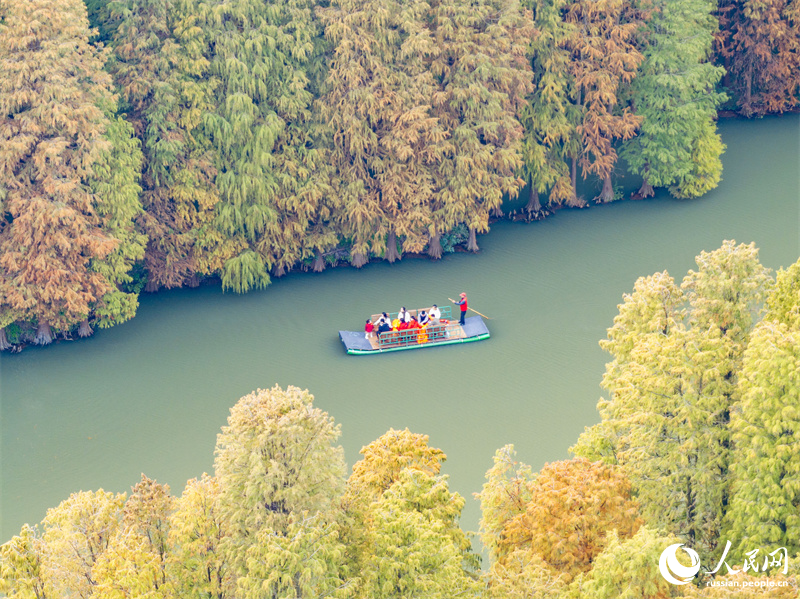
(570, 507)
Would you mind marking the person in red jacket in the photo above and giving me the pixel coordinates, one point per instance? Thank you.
(462, 303)
(368, 328)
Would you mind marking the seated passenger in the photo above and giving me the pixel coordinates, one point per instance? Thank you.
(404, 315)
(384, 327)
(435, 314)
(396, 324)
(423, 318)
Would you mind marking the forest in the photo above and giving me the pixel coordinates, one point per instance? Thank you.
(698, 443)
(150, 144)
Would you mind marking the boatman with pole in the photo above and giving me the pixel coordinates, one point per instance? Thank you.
(462, 303)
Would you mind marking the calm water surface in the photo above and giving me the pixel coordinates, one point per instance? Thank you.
(150, 395)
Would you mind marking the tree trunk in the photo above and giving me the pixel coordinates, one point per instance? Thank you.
(358, 259)
(84, 330)
(533, 207)
(391, 248)
(497, 212)
(318, 265)
(435, 247)
(472, 245)
(573, 201)
(4, 344)
(44, 335)
(151, 286)
(607, 193)
(278, 270)
(645, 191)
(193, 281)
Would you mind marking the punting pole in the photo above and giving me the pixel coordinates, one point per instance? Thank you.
(473, 309)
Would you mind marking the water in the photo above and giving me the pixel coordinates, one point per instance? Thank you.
(150, 395)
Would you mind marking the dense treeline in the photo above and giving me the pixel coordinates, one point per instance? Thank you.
(248, 138)
(699, 443)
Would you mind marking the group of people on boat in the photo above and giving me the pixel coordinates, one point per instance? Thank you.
(403, 321)
(406, 320)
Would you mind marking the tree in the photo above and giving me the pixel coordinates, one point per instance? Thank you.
(180, 196)
(504, 497)
(562, 515)
(765, 504)
(196, 563)
(625, 569)
(550, 118)
(135, 562)
(524, 575)
(76, 534)
(59, 256)
(604, 58)
(674, 95)
(385, 141)
(673, 383)
(384, 460)
(22, 575)
(483, 79)
(416, 547)
(277, 468)
(268, 61)
(783, 302)
(759, 43)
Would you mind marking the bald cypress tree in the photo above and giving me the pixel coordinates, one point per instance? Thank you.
(550, 117)
(674, 94)
(386, 143)
(759, 44)
(483, 79)
(68, 172)
(267, 58)
(604, 60)
(162, 75)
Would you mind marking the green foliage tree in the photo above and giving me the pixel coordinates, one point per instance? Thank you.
(483, 81)
(674, 94)
(626, 568)
(783, 302)
(673, 386)
(60, 146)
(268, 61)
(76, 534)
(279, 476)
(22, 575)
(416, 547)
(549, 118)
(765, 504)
(134, 563)
(195, 563)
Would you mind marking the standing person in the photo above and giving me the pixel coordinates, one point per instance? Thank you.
(368, 328)
(462, 303)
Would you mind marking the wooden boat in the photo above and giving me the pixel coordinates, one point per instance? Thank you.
(446, 332)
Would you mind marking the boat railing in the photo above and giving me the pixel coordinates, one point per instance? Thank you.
(417, 336)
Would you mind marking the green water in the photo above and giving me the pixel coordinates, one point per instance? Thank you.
(150, 395)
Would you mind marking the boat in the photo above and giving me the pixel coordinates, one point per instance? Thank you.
(446, 332)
